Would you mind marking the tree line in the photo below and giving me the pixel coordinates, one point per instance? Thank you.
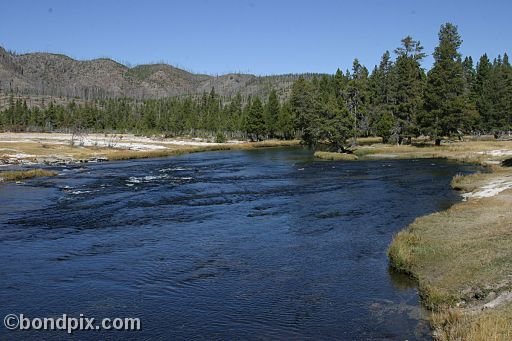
(203, 116)
(397, 100)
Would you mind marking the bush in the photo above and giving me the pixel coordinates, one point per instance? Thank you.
(220, 138)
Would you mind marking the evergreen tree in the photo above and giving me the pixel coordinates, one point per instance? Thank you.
(445, 102)
(356, 95)
(255, 121)
(235, 114)
(334, 123)
(302, 105)
(496, 94)
(285, 122)
(382, 82)
(10, 113)
(272, 110)
(507, 93)
(482, 89)
(382, 85)
(409, 81)
(340, 83)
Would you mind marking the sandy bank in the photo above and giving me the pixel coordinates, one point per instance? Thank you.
(58, 148)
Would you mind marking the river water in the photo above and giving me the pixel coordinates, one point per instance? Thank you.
(266, 244)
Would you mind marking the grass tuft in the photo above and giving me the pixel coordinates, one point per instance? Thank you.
(335, 156)
(25, 174)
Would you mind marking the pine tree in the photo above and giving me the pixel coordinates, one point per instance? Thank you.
(482, 89)
(235, 114)
(382, 82)
(302, 105)
(334, 124)
(444, 96)
(501, 83)
(507, 99)
(356, 96)
(340, 83)
(382, 85)
(272, 110)
(409, 83)
(285, 122)
(10, 113)
(255, 121)
(473, 117)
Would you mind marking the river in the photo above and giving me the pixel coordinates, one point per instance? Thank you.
(266, 244)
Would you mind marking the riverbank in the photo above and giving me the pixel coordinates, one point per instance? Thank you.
(18, 150)
(19, 175)
(479, 152)
(462, 259)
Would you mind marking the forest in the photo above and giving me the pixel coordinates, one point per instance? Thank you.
(398, 100)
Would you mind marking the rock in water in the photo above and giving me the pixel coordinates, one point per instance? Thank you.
(507, 163)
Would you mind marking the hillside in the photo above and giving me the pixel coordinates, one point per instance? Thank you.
(47, 74)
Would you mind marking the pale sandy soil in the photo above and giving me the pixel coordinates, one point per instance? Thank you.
(34, 148)
(121, 141)
(497, 152)
(491, 189)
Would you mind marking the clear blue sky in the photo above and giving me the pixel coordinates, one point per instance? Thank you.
(256, 36)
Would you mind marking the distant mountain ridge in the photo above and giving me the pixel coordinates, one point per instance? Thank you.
(59, 75)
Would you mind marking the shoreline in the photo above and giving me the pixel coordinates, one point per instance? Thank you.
(485, 153)
(461, 258)
(28, 151)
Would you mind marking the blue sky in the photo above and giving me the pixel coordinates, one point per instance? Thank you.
(256, 36)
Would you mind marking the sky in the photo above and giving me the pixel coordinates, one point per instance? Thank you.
(251, 36)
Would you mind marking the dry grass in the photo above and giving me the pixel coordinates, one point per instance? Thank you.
(462, 257)
(369, 140)
(39, 150)
(469, 183)
(24, 174)
(468, 151)
(456, 324)
(335, 156)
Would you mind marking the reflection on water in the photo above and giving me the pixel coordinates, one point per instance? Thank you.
(227, 245)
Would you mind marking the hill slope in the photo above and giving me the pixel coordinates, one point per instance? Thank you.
(59, 75)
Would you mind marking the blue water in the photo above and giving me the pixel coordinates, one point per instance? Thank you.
(266, 244)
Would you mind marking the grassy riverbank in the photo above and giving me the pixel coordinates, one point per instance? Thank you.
(53, 149)
(27, 148)
(19, 175)
(462, 259)
(335, 156)
(480, 152)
